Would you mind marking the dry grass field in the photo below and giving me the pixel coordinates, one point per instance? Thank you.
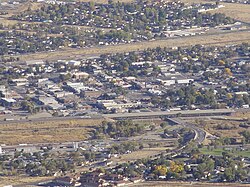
(211, 127)
(144, 153)
(183, 184)
(106, 1)
(40, 132)
(241, 115)
(18, 180)
(22, 7)
(233, 122)
(237, 11)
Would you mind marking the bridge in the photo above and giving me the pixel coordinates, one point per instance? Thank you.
(181, 113)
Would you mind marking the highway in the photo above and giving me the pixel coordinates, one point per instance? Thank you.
(198, 138)
(171, 113)
(200, 134)
(48, 119)
(183, 113)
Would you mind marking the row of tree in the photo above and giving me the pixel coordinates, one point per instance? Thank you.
(118, 129)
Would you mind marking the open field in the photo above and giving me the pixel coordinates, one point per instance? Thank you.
(23, 7)
(49, 132)
(211, 126)
(106, 1)
(144, 153)
(237, 11)
(17, 180)
(181, 184)
(4, 19)
(241, 115)
(231, 122)
(217, 39)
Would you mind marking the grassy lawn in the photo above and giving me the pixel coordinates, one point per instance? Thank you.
(218, 152)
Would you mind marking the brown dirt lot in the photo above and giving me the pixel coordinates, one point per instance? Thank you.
(211, 127)
(145, 153)
(181, 184)
(241, 115)
(49, 132)
(22, 7)
(237, 11)
(17, 180)
(106, 1)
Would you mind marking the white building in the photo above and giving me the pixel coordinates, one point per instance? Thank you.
(111, 104)
(35, 62)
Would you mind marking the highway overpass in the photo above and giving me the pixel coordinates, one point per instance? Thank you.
(181, 113)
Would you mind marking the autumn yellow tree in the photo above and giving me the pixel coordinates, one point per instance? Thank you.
(176, 167)
(228, 71)
(229, 96)
(222, 62)
(160, 170)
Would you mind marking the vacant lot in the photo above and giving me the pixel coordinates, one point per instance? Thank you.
(182, 184)
(144, 153)
(224, 126)
(213, 127)
(106, 1)
(21, 180)
(40, 132)
(237, 11)
(241, 115)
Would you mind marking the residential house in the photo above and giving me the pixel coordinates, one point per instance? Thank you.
(35, 62)
(68, 181)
